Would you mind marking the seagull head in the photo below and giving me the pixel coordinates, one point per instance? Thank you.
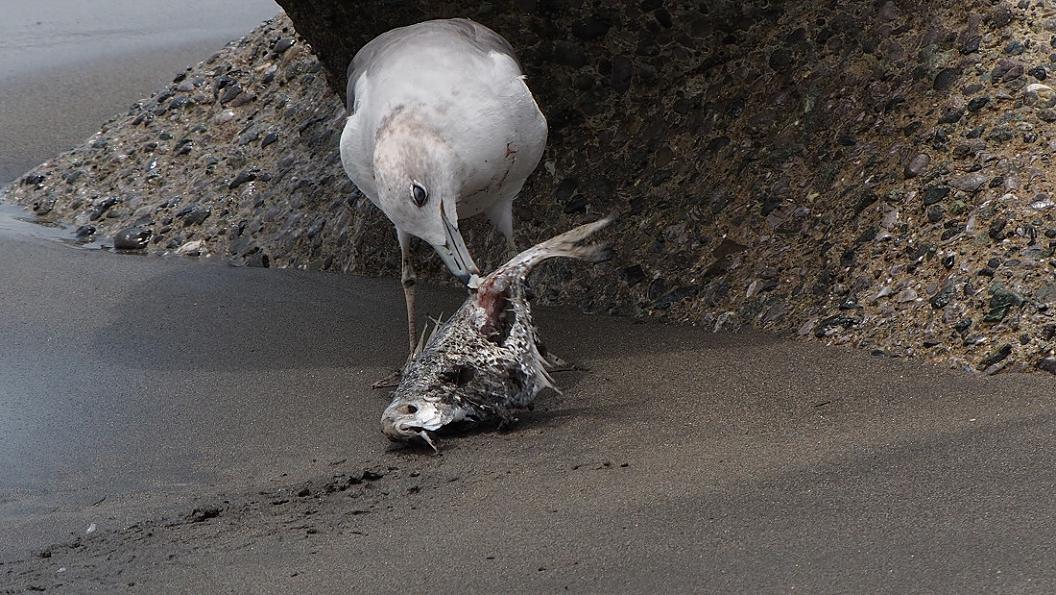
(418, 177)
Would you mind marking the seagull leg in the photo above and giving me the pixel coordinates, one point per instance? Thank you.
(408, 280)
(511, 249)
(501, 217)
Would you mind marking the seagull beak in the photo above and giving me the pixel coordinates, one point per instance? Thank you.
(454, 253)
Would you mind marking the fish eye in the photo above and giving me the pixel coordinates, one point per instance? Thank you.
(419, 194)
(409, 409)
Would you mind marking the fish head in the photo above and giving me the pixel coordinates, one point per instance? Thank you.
(407, 420)
(415, 418)
(434, 394)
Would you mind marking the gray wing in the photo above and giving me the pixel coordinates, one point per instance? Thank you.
(458, 31)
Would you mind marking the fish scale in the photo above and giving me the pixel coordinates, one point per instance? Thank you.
(483, 364)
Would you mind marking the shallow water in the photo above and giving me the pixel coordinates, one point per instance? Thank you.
(16, 222)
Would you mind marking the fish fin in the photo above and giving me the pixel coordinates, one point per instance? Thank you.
(546, 378)
(567, 245)
(538, 366)
(432, 333)
(421, 343)
(427, 334)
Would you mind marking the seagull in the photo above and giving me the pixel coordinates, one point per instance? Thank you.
(442, 126)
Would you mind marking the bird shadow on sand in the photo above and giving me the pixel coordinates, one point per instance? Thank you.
(580, 338)
(554, 414)
(191, 316)
(221, 318)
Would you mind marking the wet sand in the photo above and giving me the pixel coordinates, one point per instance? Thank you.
(137, 390)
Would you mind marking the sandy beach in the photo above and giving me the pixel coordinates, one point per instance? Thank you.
(183, 426)
(681, 460)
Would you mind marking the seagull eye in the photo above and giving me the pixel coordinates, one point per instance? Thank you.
(419, 194)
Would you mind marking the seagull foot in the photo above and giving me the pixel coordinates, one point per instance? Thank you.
(556, 363)
(390, 381)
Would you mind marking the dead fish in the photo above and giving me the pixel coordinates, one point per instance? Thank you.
(484, 363)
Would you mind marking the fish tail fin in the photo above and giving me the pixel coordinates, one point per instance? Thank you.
(567, 245)
(542, 375)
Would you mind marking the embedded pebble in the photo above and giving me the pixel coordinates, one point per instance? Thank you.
(224, 116)
(84, 233)
(282, 44)
(917, 165)
(230, 92)
(193, 214)
(132, 238)
(1042, 92)
(969, 182)
(192, 248)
